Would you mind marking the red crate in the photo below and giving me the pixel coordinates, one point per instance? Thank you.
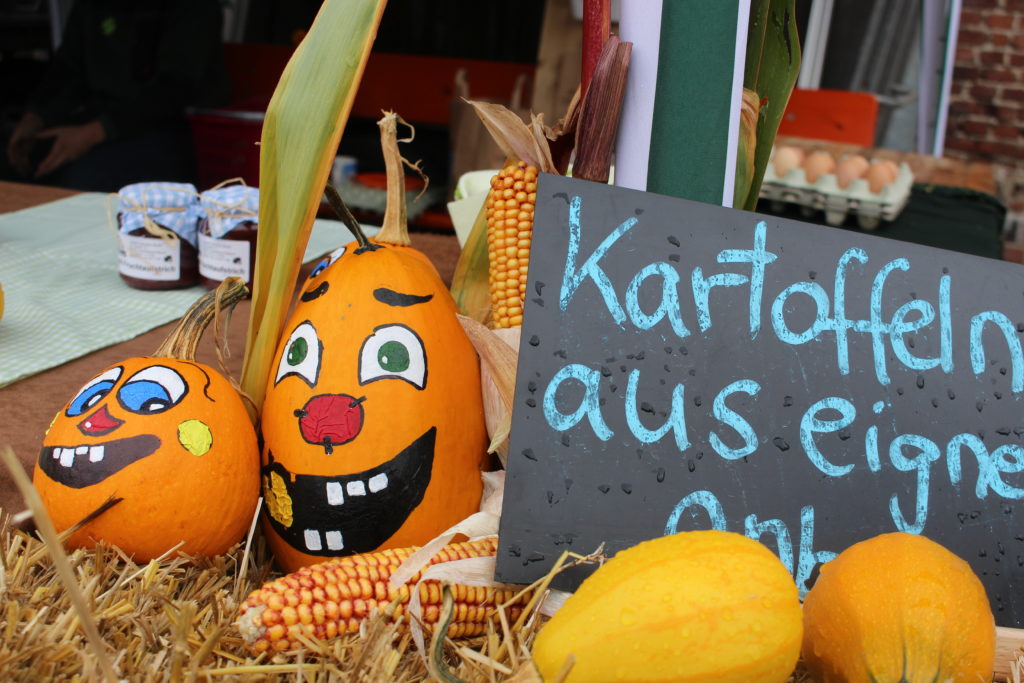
(226, 144)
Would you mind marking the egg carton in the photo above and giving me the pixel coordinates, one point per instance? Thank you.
(870, 208)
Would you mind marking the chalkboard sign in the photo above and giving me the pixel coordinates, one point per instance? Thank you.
(685, 366)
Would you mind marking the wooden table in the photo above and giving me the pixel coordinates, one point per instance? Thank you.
(30, 404)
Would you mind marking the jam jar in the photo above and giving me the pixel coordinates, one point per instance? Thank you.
(227, 234)
(157, 227)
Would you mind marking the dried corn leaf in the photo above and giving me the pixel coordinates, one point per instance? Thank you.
(599, 115)
(301, 131)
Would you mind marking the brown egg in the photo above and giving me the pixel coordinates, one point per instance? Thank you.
(818, 164)
(786, 159)
(850, 168)
(880, 174)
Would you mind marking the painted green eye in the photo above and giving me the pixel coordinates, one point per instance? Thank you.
(393, 356)
(297, 351)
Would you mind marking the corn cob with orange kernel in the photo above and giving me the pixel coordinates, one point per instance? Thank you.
(332, 598)
(509, 207)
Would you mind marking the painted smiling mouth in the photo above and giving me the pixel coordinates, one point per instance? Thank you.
(85, 465)
(352, 513)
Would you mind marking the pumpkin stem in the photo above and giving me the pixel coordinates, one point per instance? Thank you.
(395, 227)
(339, 208)
(184, 340)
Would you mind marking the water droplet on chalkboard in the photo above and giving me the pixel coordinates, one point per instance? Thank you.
(683, 350)
(604, 488)
(781, 444)
(647, 407)
(692, 372)
(538, 287)
(561, 354)
(640, 356)
(622, 368)
(668, 350)
(697, 401)
(952, 396)
(613, 387)
(1020, 327)
(691, 465)
(910, 342)
(787, 401)
(993, 361)
(1007, 509)
(935, 402)
(913, 295)
(981, 434)
(606, 371)
(1003, 431)
(920, 381)
(528, 454)
(531, 402)
(700, 455)
(601, 401)
(945, 270)
(515, 551)
(674, 258)
(534, 340)
(568, 485)
(1000, 548)
(538, 301)
(534, 557)
(551, 497)
(531, 386)
(667, 369)
(980, 405)
(962, 516)
(638, 211)
(660, 475)
(844, 433)
(565, 440)
(975, 514)
(1020, 560)
(899, 390)
(661, 382)
(1002, 371)
(998, 395)
(629, 356)
(627, 488)
(639, 454)
(982, 553)
(610, 359)
(673, 240)
(813, 274)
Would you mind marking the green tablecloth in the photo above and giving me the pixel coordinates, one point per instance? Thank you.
(63, 295)
(951, 218)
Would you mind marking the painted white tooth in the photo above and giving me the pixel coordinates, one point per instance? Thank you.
(356, 488)
(312, 537)
(95, 453)
(81, 450)
(56, 453)
(378, 482)
(67, 457)
(335, 495)
(334, 541)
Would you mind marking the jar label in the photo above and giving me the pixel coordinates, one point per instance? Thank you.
(149, 258)
(221, 258)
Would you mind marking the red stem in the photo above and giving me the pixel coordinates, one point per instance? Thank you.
(597, 26)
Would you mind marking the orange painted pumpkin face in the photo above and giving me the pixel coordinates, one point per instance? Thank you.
(372, 424)
(172, 439)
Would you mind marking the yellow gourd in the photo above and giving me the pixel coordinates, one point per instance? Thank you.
(694, 606)
(898, 607)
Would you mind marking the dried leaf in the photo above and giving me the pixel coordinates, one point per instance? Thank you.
(301, 130)
(499, 356)
(599, 115)
(513, 136)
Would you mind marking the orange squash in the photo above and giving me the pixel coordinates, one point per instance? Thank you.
(167, 436)
(373, 420)
(898, 607)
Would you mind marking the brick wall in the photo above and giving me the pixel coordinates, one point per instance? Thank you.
(986, 113)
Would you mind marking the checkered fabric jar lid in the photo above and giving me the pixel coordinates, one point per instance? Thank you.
(225, 207)
(174, 206)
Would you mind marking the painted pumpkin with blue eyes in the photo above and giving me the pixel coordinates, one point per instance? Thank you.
(373, 423)
(170, 438)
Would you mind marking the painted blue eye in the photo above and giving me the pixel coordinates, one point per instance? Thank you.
(93, 392)
(152, 390)
(320, 267)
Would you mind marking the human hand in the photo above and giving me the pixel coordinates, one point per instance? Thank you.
(69, 143)
(19, 146)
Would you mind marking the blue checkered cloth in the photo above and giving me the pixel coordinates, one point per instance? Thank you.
(172, 205)
(225, 207)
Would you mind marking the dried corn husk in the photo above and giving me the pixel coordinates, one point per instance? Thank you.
(301, 131)
(499, 355)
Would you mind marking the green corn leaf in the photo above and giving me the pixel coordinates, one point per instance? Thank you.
(301, 132)
(773, 62)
